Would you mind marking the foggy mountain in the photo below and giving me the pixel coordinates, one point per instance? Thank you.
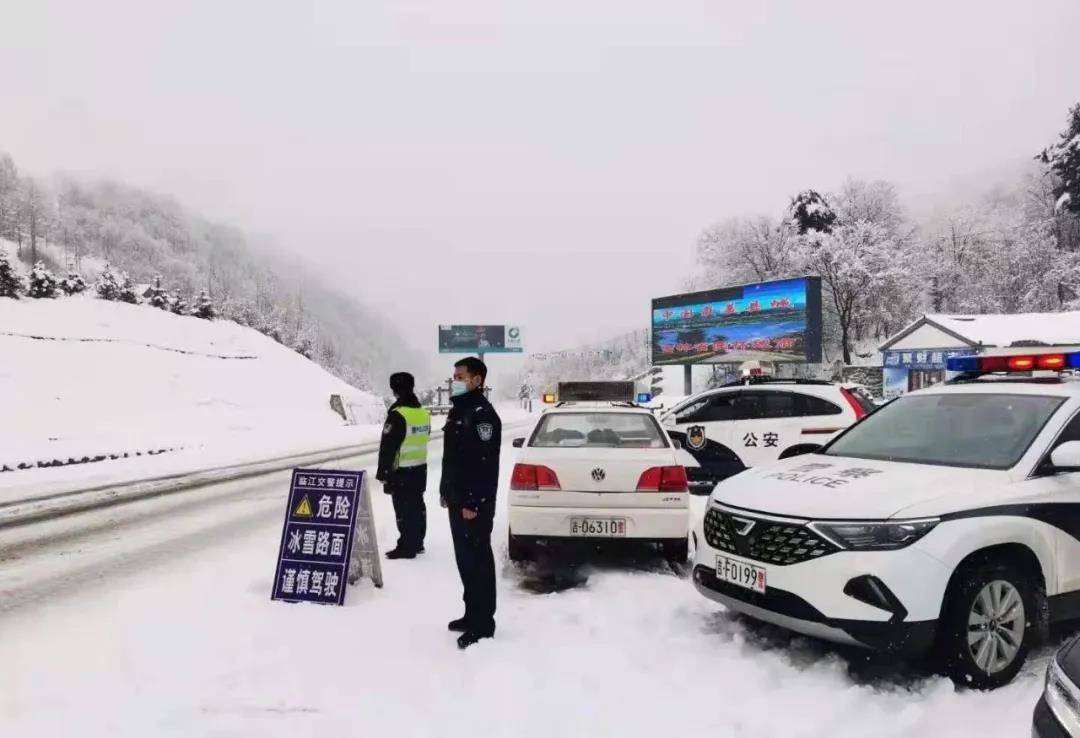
(76, 224)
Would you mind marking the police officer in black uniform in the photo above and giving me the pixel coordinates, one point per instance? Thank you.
(472, 438)
(403, 465)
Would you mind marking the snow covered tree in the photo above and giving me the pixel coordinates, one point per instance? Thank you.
(741, 250)
(11, 283)
(158, 297)
(42, 282)
(34, 214)
(9, 190)
(204, 308)
(306, 342)
(865, 276)
(1063, 160)
(178, 305)
(242, 311)
(810, 212)
(74, 284)
(127, 290)
(107, 287)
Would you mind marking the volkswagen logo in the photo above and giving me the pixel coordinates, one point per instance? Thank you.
(598, 475)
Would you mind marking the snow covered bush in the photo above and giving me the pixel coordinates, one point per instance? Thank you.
(42, 282)
(158, 297)
(107, 287)
(204, 308)
(305, 347)
(178, 305)
(127, 290)
(74, 284)
(1063, 159)
(11, 284)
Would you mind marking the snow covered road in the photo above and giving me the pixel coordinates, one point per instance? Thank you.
(156, 621)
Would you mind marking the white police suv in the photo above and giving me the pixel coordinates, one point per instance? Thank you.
(948, 520)
(743, 425)
(596, 466)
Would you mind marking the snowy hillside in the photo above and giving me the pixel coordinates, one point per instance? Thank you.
(83, 378)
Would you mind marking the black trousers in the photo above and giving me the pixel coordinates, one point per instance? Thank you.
(411, 514)
(476, 565)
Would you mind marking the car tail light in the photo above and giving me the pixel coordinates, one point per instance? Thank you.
(663, 479)
(852, 400)
(533, 477)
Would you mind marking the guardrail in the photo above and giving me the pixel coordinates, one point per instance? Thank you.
(47, 506)
(57, 504)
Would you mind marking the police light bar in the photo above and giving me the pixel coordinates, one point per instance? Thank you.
(549, 398)
(643, 397)
(596, 391)
(1015, 363)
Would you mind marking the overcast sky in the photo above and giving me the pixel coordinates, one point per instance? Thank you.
(544, 163)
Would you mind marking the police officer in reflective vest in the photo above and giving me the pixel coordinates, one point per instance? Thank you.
(403, 465)
(472, 438)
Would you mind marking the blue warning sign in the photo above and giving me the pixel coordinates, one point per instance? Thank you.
(317, 539)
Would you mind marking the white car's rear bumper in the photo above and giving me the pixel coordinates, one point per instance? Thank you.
(641, 522)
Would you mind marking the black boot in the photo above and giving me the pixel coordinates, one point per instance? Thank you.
(470, 638)
(400, 553)
(458, 626)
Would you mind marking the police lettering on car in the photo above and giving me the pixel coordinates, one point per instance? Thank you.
(946, 521)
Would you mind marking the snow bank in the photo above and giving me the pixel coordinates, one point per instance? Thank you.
(82, 377)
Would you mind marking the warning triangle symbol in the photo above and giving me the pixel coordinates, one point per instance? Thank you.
(303, 510)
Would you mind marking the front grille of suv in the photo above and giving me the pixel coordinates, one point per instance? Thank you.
(767, 541)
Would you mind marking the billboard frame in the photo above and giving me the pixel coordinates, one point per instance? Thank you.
(481, 350)
(813, 334)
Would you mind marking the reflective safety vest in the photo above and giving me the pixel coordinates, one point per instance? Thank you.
(413, 451)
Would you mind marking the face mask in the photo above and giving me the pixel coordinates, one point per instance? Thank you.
(458, 388)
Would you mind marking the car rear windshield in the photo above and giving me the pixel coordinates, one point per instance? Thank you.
(598, 430)
(989, 431)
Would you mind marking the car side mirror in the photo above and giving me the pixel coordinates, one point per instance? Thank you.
(519, 442)
(1066, 457)
(678, 444)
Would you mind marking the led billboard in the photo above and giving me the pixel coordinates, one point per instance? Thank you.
(479, 339)
(769, 321)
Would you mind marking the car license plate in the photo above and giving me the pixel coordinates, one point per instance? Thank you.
(748, 576)
(605, 527)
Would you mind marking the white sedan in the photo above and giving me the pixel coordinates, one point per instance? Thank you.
(598, 471)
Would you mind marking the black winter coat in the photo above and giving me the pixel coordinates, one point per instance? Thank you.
(471, 442)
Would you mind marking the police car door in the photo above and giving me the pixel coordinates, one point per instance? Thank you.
(1058, 499)
(764, 425)
(705, 428)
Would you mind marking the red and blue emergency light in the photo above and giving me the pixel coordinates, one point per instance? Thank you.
(1014, 363)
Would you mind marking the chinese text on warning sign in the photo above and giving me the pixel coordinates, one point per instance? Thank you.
(317, 539)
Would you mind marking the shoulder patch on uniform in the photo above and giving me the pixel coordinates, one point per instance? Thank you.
(485, 431)
(386, 429)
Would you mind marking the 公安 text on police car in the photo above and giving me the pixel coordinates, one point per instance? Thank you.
(948, 520)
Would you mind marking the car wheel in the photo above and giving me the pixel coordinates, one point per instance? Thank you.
(677, 550)
(518, 549)
(988, 625)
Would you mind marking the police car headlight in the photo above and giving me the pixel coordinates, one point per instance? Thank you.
(875, 536)
(1063, 697)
